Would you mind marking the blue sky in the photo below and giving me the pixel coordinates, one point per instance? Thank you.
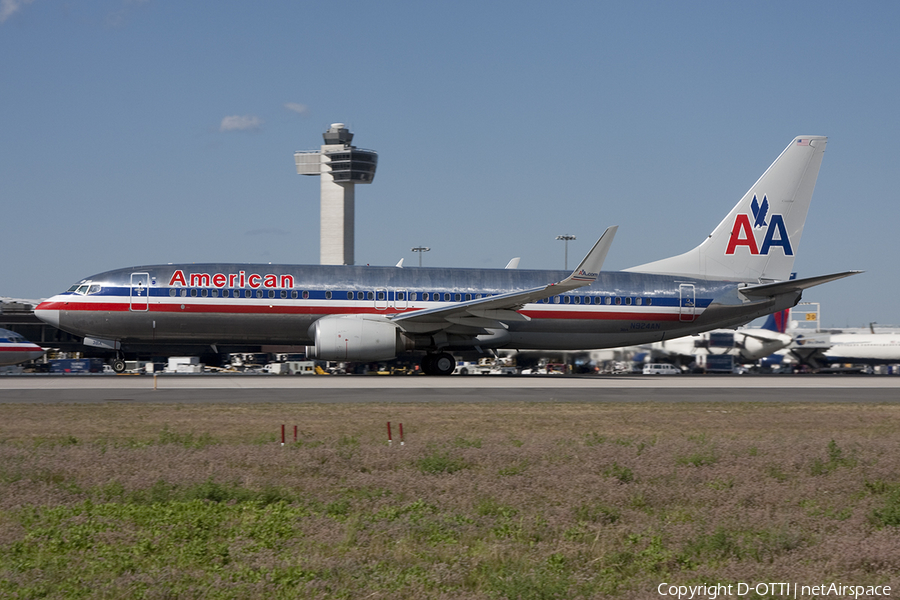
(152, 131)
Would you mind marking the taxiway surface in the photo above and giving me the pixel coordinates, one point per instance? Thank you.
(197, 389)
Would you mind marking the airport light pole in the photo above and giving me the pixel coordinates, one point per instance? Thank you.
(566, 239)
(420, 250)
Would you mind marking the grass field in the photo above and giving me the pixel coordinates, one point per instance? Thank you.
(517, 501)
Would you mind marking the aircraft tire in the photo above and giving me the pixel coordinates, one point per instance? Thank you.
(444, 364)
(118, 365)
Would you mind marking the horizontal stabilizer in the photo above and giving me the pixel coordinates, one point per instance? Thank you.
(768, 290)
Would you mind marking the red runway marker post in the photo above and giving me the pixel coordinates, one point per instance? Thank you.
(390, 441)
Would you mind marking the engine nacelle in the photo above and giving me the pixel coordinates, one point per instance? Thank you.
(355, 338)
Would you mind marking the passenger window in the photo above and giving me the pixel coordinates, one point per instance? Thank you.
(259, 293)
(328, 295)
(649, 301)
(172, 291)
(555, 299)
(457, 297)
(305, 295)
(349, 295)
(577, 299)
(618, 300)
(183, 293)
(424, 295)
(468, 296)
(401, 296)
(567, 299)
(608, 300)
(628, 301)
(271, 293)
(639, 301)
(294, 294)
(370, 295)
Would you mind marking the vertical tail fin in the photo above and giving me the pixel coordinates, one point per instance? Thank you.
(758, 239)
(778, 321)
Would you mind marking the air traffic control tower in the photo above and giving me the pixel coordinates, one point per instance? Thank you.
(340, 166)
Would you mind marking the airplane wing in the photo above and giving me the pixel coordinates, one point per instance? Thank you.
(767, 290)
(493, 311)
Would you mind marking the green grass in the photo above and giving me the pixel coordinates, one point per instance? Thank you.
(591, 506)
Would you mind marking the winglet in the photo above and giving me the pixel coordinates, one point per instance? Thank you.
(588, 269)
(513, 263)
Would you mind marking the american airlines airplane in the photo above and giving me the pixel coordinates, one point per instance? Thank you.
(352, 313)
(15, 349)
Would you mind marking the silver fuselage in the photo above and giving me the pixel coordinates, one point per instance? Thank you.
(277, 304)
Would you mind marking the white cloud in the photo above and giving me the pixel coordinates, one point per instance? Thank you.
(238, 123)
(10, 7)
(300, 109)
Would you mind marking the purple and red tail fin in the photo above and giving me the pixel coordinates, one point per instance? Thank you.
(778, 322)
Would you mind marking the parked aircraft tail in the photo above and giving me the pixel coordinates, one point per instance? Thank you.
(758, 240)
(778, 321)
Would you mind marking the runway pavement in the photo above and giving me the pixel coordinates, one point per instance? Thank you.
(222, 388)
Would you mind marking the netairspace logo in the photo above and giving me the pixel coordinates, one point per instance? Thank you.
(743, 232)
(770, 589)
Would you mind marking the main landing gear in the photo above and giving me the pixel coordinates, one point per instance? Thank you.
(438, 364)
(118, 363)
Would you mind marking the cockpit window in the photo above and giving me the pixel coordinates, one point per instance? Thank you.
(73, 288)
(94, 289)
(83, 289)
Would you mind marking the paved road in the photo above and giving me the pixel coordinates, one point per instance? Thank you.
(195, 389)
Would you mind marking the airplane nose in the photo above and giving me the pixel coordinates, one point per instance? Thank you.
(50, 316)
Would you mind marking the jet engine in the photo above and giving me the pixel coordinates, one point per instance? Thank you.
(356, 338)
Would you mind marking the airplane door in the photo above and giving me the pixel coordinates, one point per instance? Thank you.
(139, 297)
(381, 299)
(401, 299)
(687, 296)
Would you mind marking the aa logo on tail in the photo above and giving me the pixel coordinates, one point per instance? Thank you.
(743, 232)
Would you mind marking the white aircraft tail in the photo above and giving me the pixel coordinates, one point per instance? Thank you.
(758, 239)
